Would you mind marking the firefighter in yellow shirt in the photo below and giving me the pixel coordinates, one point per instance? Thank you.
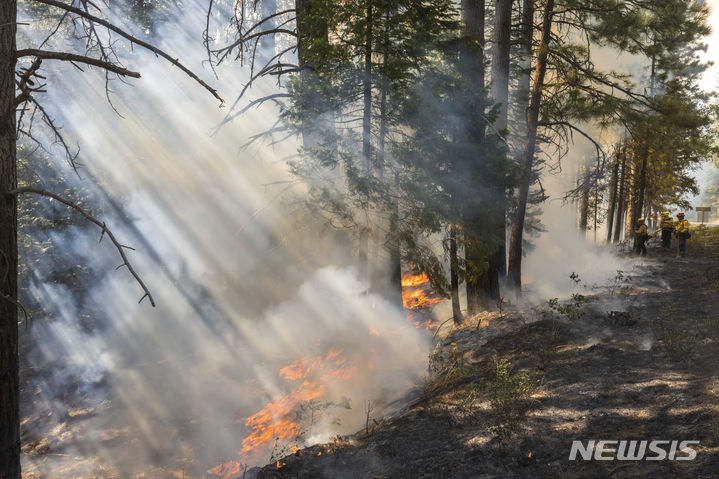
(681, 231)
(640, 237)
(667, 227)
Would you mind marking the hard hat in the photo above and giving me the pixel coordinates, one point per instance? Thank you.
(640, 220)
(666, 213)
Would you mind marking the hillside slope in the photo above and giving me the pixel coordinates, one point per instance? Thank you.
(508, 393)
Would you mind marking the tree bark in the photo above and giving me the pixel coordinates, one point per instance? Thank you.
(9, 367)
(622, 195)
(487, 290)
(515, 242)
(612, 197)
(500, 59)
(632, 203)
(525, 56)
(642, 181)
(473, 12)
(453, 278)
(596, 211)
(365, 228)
(395, 257)
(584, 209)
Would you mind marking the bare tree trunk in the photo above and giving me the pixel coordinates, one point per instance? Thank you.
(596, 210)
(632, 202)
(453, 278)
(487, 291)
(622, 195)
(367, 94)
(525, 56)
(584, 208)
(628, 217)
(645, 151)
(612, 197)
(9, 368)
(473, 12)
(515, 242)
(642, 181)
(500, 59)
(365, 228)
(395, 257)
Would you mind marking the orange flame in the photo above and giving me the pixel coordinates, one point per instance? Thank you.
(417, 296)
(414, 294)
(226, 470)
(273, 421)
(410, 280)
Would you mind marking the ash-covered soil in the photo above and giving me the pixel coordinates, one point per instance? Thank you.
(648, 372)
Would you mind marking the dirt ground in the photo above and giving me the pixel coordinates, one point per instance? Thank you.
(648, 372)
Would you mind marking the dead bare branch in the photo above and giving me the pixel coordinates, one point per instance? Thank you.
(71, 157)
(135, 40)
(74, 58)
(103, 227)
(26, 85)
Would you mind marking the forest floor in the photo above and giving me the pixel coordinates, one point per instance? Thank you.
(509, 392)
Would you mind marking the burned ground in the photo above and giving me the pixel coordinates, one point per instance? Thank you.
(647, 371)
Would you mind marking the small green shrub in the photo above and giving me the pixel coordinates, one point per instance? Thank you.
(621, 282)
(571, 310)
(509, 394)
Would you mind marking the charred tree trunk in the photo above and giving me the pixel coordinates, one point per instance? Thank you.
(515, 242)
(9, 369)
(473, 12)
(612, 197)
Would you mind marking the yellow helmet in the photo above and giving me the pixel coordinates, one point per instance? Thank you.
(640, 221)
(666, 213)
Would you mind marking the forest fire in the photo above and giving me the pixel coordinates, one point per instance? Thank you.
(415, 294)
(227, 470)
(273, 421)
(417, 297)
(276, 421)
